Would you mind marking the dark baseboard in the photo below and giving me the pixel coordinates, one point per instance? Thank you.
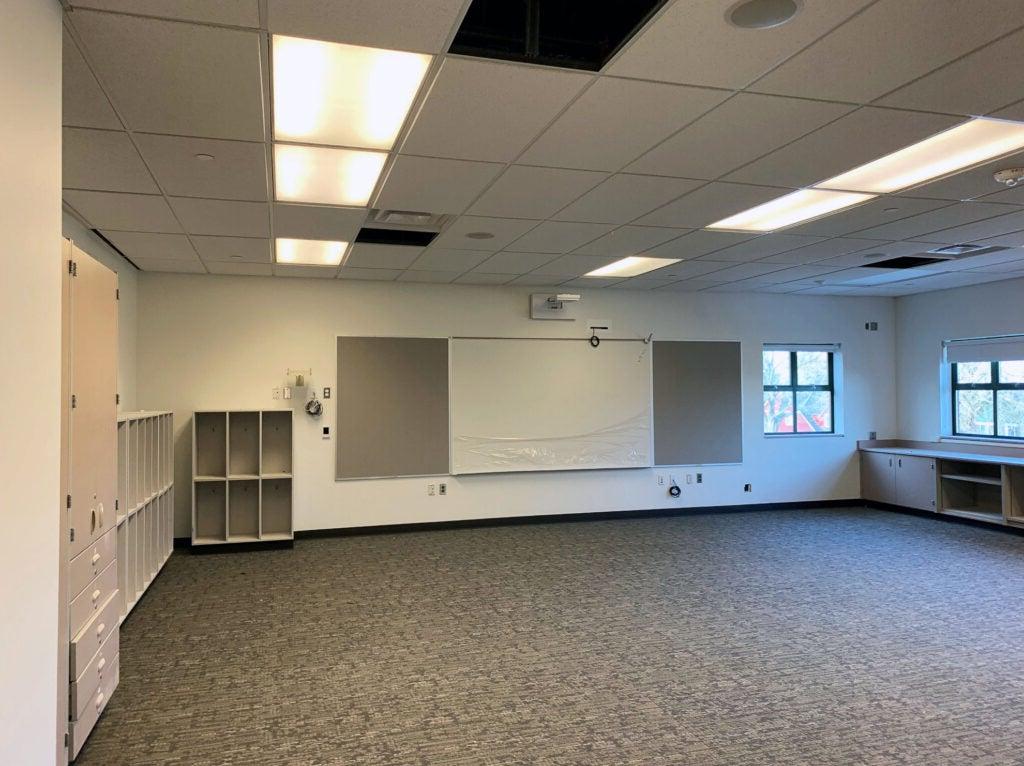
(561, 518)
(943, 517)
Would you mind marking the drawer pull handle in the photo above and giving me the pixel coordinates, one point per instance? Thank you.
(96, 557)
(96, 594)
(101, 664)
(99, 700)
(100, 628)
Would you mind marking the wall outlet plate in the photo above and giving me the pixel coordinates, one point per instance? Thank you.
(327, 393)
(327, 432)
(430, 490)
(442, 489)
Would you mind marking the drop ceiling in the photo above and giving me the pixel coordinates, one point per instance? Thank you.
(567, 170)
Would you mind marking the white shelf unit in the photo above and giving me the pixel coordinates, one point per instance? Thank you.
(145, 501)
(241, 476)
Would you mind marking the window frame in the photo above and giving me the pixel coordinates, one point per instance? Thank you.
(994, 386)
(794, 387)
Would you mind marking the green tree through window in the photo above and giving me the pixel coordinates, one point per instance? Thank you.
(799, 391)
(988, 399)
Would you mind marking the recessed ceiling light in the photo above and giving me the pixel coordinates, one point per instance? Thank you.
(204, 157)
(762, 14)
(789, 210)
(310, 252)
(953, 150)
(343, 95)
(632, 266)
(325, 175)
(480, 235)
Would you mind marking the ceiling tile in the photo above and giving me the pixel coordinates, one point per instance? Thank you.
(630, 240)
(123, 212)
(991, 227)
(84, 103)
(528, 192)
(859, 137)
(879, 251)
(690, 286)
(696, 270)
(559, 237)
(698, 243)
(1009, 195)
(232, 219)
(973, 183)
(315, 272)
(574, 265)
(428, 276)
(922, 226)
(152, 246)
(408, 25)
(997, 262)
(799, 272)
(239, 13)
(207, 78)
(591, 283)
(443, 259)
(740, 130)
(373, 275)
(716, 53)
(889, 44)
(623, 198)
(172, 265)
(540, 280)
(616, 120)
(233, 249)
(240, 268)
(433, 185)
(513, 263)
(976, 84)
(103, 160)
(382, 256)
(642, 283)
(747, 271)
(762, 247)
(318, 221)
(709, 204)
(481, 110)
(1015, 239)
(238, 169)
(504, 231)
(478, 278)
(1012, 112)
(875, 213)
(1016, 266)
(820, 251)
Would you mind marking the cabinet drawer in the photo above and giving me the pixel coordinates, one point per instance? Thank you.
(87, 565)
(86, 643)
(81, 728)
(92, 598)
(102, 665)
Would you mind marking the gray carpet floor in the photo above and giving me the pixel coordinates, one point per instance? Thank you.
(833, 636)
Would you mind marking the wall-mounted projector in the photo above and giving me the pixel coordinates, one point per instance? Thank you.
(557, 306)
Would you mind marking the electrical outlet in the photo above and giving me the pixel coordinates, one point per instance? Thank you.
(442, 489)
(689, 478)
(287, 392)
(430, 490)
(700, 478)
(277, 393)
(327, 393)
(872, 435)
(661, 480)
(327, 432)
(747, 488)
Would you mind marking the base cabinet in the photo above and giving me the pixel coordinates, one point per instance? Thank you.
(906, 480)
(878, 477)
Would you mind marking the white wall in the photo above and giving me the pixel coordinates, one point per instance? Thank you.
(224, 342)
(30, 289)
(127, 311)
(923, 322)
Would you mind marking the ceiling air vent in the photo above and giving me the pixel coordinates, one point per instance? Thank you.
(956, 251)
(576, 34)
(375, 236)
(408, 218)
(904, 262)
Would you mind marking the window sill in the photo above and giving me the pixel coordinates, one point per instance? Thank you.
(1013, 443)
(804, 436)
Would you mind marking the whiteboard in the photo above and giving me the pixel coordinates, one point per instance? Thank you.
(549, 405)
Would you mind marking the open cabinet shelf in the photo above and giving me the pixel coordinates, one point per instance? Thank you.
(241, 476)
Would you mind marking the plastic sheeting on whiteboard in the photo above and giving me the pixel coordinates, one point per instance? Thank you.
(621, 445)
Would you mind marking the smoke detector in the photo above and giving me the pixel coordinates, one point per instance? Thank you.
(1009, 177)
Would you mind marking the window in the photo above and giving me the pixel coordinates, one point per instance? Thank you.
(988, 399)
(799, 389)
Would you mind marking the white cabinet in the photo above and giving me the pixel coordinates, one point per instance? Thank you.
(878, 477)
(895, 479)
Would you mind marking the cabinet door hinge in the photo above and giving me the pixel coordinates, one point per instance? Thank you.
(72, 268)
(72, 534)
(74, 401)
(69, 502)
(117, 398)
(117, 294)
(117, 504)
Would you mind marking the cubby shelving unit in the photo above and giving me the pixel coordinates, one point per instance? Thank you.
(242, 476)
(145, 501)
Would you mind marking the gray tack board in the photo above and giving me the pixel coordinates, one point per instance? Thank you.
(698, 403)
(392, 407)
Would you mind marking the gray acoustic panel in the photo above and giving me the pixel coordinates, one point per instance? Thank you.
(392, 407)
(698, 403)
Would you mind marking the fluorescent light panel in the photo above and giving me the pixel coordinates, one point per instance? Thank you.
(325, 176)
(310, 252)
(343, 95)
(633, 266)
(972, 143)
(791, 209)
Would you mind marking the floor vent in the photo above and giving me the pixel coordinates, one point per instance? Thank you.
(575, 34)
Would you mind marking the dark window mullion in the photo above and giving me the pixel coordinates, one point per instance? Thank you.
(793, 382)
